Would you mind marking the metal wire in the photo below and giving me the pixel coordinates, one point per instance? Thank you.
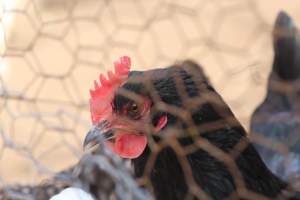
(51, 51)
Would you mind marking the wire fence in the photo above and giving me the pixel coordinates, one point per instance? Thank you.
(52, 50)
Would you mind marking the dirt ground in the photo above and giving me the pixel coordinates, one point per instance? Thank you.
(52, 50)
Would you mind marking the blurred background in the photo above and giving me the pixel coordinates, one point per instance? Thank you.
(52, 50)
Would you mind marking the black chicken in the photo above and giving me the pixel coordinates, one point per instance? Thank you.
(277, 119)
(184, 141)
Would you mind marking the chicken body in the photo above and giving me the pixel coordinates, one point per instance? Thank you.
(277, 119)
(209, 172)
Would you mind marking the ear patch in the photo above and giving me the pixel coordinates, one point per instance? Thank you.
(162, 122)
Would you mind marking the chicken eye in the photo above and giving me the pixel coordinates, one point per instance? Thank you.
(133, 110)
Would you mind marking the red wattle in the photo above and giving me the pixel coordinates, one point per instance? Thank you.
(129, 145)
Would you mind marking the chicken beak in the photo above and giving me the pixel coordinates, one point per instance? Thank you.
(97, 136)
(90, 140)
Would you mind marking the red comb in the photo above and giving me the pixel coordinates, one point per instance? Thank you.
(103, 92)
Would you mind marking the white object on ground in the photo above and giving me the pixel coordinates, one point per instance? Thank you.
(72, 193)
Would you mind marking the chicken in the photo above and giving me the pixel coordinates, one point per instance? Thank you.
(277, 120)
(181, 137)
(101, 176)
(42, 191)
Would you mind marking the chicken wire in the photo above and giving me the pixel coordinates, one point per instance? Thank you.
(52, 50)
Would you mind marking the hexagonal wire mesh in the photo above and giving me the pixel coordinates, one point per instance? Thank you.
(52, 50)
